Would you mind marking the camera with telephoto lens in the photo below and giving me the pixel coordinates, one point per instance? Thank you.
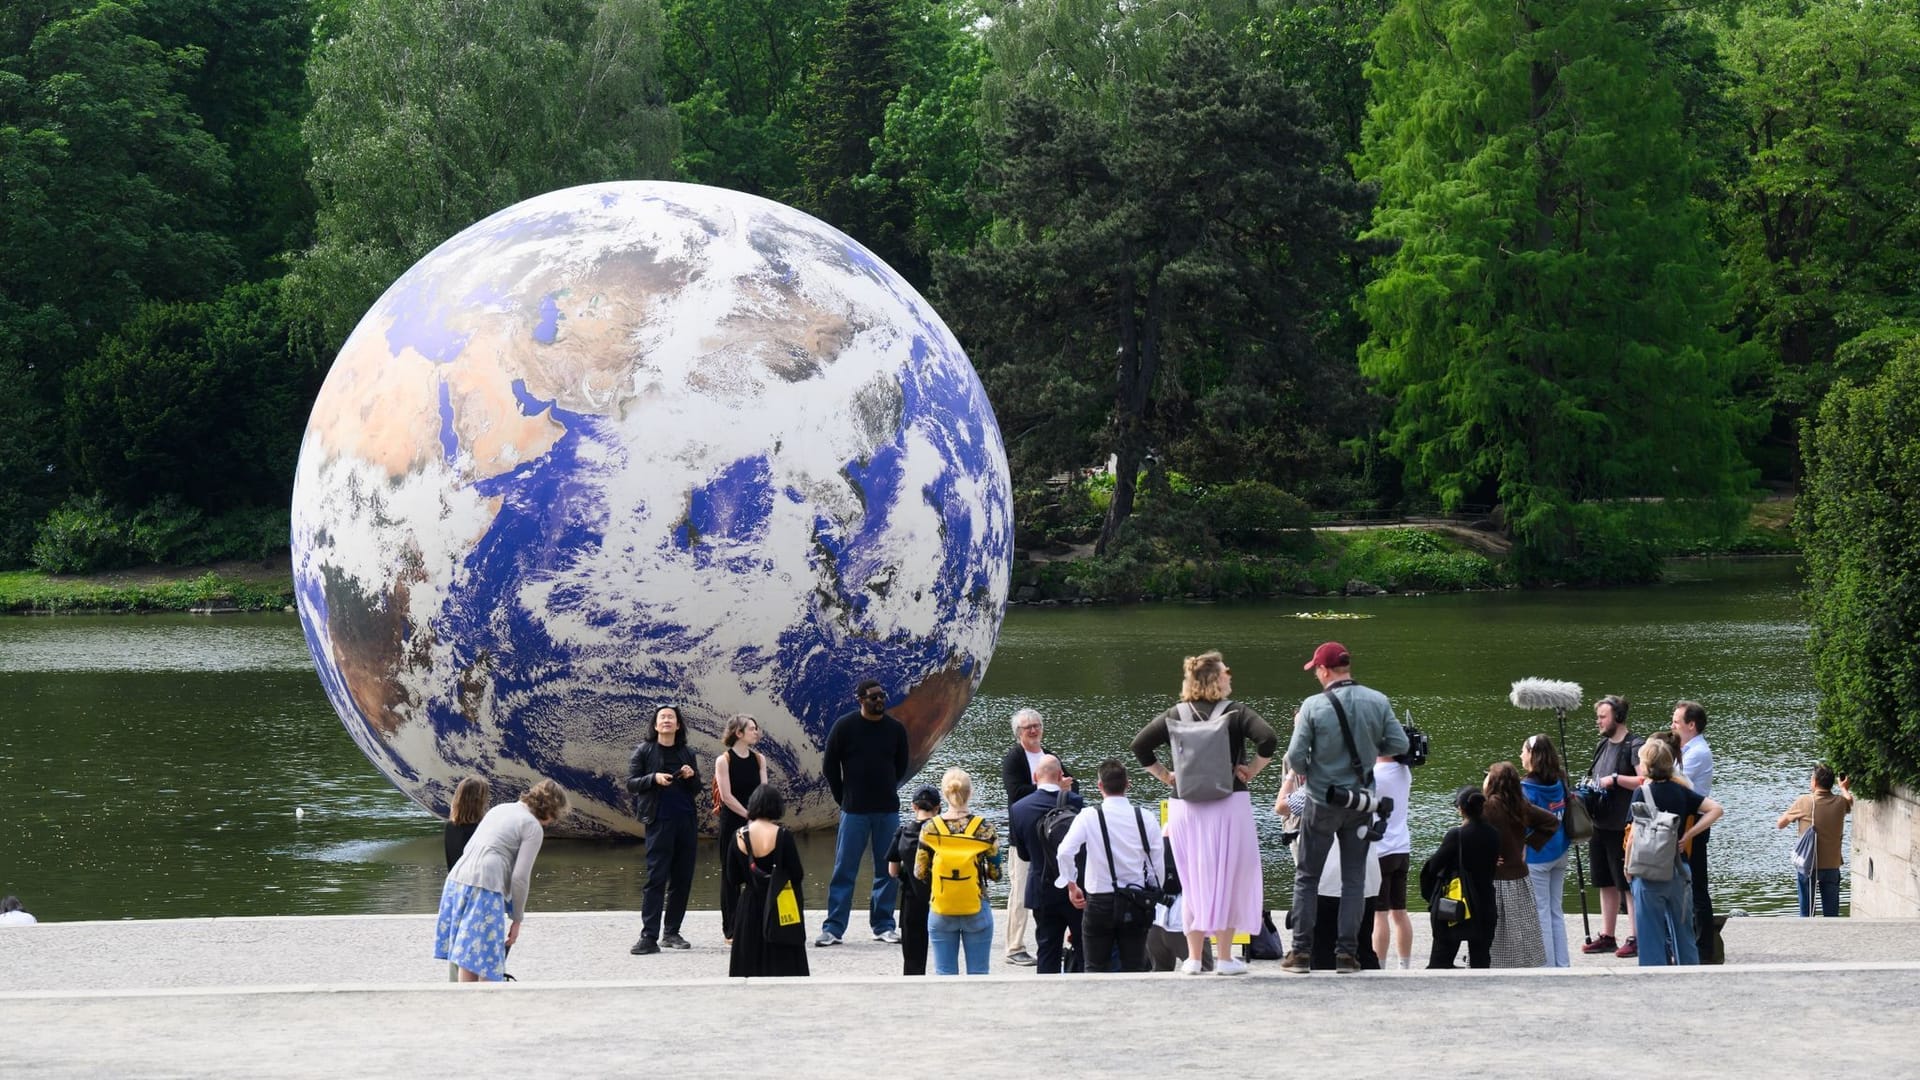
(1353, 798)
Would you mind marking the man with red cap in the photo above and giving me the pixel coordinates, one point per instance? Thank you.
(1337, 736)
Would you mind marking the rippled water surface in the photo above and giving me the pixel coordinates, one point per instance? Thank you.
(153, 766)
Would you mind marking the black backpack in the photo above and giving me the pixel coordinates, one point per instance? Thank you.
(1053, 832)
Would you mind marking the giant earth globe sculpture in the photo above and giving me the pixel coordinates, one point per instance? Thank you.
(635, 444)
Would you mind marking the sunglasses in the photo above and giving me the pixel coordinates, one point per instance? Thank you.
(874, 695)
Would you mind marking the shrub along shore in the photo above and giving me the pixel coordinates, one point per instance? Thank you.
(1303, 562)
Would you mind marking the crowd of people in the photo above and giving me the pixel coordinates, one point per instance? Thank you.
(1102, 886)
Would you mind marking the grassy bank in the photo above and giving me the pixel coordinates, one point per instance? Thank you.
(31, 592)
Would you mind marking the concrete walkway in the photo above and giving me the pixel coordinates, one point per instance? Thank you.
(337, 996)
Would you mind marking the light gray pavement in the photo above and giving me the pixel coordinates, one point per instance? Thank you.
(361, 996)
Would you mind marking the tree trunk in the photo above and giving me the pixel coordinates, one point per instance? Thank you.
(1139, 365)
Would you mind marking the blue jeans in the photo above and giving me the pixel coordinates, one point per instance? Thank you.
(860, 834)
(947, 933)
(1663, 918)
(1549, 883)
(1829, 881)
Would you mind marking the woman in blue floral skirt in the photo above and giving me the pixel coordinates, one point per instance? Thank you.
(485, 896)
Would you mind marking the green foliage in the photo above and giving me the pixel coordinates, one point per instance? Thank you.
(204, 401)
(1859, 520)
(428, 115)
(735, 71)
(88, 534)
(1404, 559)
(929, 146)
(110, 194)
(858, 72)
(1252, 514)
(1823, 235)
(1546, 327)
(82, 535)
(26, 591)
(1178, 257)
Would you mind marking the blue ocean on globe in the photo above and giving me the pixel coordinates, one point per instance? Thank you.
(636, 444)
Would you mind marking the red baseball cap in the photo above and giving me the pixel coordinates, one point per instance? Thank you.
(1332, 654)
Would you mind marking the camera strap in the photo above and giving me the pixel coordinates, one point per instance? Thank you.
(1346, 735)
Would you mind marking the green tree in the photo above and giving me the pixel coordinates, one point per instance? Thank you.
(428, 116)
(205, 401)
(1547, 328)
(736, 73)
(250, 92)
(1825, 237)
(1858, 518)
(1127, 259)
(929, 146)
(858, 72)
(110, 195)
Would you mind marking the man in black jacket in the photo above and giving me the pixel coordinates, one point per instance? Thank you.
(865, 763)
(1017, 777)
(1054, 915)
(664, 778)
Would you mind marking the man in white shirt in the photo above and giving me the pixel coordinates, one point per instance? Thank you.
(1696, 763)
(12, 914)
(1127, 853)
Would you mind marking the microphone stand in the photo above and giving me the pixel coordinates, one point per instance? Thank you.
(1579, 862)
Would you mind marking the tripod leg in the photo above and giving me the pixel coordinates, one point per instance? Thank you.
(1580, 875)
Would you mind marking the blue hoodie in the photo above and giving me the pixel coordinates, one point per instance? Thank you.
(1553, 799)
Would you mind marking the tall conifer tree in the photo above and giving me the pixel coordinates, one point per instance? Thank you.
(1548, 328)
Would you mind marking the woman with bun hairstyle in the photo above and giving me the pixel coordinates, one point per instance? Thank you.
(1470, 849)
(485, 897)
(1210, 820)
(763, 856)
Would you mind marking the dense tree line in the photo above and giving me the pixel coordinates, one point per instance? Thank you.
(1589, 262)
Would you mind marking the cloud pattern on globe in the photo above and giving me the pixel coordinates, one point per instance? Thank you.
(635, 444)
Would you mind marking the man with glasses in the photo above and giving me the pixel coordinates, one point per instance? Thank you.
(865, 762)
(1017, 771)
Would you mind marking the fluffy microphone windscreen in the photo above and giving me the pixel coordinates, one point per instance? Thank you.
(1545, 694)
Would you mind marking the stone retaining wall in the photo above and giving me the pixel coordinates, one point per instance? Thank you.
(1886, 857)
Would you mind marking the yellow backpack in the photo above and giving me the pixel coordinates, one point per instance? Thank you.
(954, 878)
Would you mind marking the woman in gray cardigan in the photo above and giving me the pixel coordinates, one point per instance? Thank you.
(485, 896)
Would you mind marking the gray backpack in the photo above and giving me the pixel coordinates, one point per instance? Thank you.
(1202, 753)
(1655, 854)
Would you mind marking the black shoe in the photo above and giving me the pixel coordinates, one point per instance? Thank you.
(672, 940)
(646, 946)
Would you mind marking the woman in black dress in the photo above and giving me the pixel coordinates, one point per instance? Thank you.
(769, 936)
(737, 772)
(1470, 849)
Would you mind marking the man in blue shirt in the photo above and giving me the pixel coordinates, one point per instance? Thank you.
(1696, 762)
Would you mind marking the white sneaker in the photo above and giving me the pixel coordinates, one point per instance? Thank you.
(826, 939)
(887, 937)
(1230, 966)
(1191, 967)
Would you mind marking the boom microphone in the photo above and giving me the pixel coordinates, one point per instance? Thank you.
(1546, 694)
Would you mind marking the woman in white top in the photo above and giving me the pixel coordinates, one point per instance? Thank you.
(485, 896)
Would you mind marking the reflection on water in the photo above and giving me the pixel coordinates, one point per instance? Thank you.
(153, 766)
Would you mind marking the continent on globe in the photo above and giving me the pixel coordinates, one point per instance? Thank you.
(635, 444)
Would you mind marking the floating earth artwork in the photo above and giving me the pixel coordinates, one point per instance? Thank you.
(636, 444)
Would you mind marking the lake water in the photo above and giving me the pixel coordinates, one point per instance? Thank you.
(165, 766)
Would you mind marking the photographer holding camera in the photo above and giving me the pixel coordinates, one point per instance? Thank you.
(1337, 735)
